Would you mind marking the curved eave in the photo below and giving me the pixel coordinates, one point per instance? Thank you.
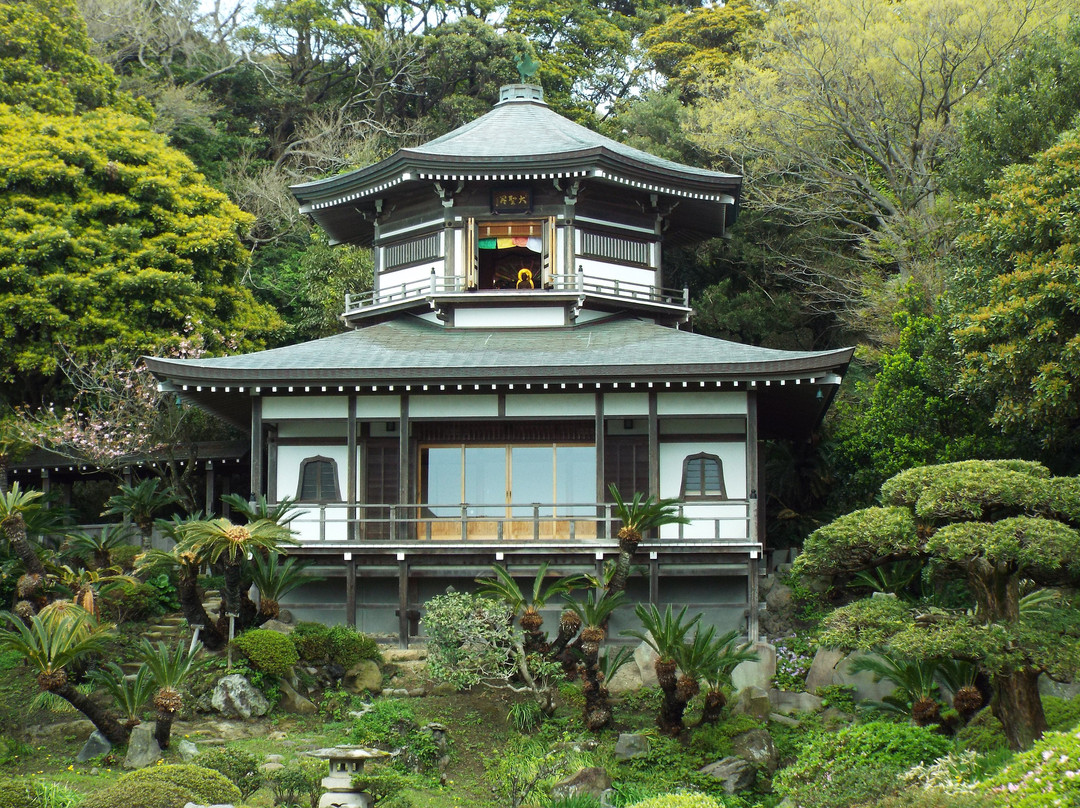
(345, 205)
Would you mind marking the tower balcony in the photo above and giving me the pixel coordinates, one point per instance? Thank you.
(572, 290)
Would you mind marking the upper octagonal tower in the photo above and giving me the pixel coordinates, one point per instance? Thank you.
(521, 218)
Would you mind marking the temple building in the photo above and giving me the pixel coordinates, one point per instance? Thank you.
(518, 353)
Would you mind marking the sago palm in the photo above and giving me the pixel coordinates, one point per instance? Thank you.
(260, 510)
(503, 587)
(666, 634)
(141, 503)
(916, 684)
(168, 668)
(639, 515)
(593, 613)
(276, 578)
(130, 693)
(217, 540)
(97, 547)
(62, 634)
(725, 653)
(15, 506)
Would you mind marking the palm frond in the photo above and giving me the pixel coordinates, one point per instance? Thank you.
(664, 633)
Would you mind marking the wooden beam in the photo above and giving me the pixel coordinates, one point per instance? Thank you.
(403, 462)
(654, 447)
(350, 592)
(350, 483)
(753, 596)
(403, 602)
(257, 447)
(601, 526)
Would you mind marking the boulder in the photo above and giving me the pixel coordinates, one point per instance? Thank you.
(293, 702)
(591, 782)
(779, 617)
(236, 697)
(752, 701)
(864, 684)
(1063, 690)
(631, 745)
(142, 749)
(756, 674)
(645, 658)
(627, 679)
(188, 750)
(97, 744)
(365, 675)
(278, 626)
(756, 746)
(786, 702)
(735, 773)
(823, 669)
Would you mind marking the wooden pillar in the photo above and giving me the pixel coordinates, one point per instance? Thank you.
(404, 475)
(271, 464)
(601, 491)
(350, 591)
(350, 480)
(209, 489)
(403, 601)
(654, 447)
(257, 447)
(755, 534)
(654, 579)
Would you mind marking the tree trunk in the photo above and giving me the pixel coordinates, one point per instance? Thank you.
(187, 589)
(15, 532)
(1017, 705)
(163, 728)
(116, 733)
(714, 705)
(627, 547)
(232, 588)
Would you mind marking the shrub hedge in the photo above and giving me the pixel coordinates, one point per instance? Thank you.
(268, 651)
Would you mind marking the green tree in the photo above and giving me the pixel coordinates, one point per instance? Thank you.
(841, 118)
(1031, 101)
(1016, 297)
(141, 503)
(15, 506)
(46, 62)
(110, 240)
(503, 587)
(666, 634)
(168, 669)
(638, 516)
(993, 524)
(51, 641)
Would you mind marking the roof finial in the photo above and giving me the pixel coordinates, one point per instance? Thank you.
(527, 65)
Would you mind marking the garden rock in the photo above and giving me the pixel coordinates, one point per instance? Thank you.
(864, 684)
(645, 657)
(142, 750)
(293, 702)
(631, 745)
(756, 674)
(278, 626)
(823, 669)
(752, 701)
(786, 720)
(215, 805)
(365, 675)
(590, 782)
(188, 751)
(756, 746)
(735, 773)
(96, 744)
(1063, 690)
(627, 679)
(787, 702)
(779, 615)
(235, 696)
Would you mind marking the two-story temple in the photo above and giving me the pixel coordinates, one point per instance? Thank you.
(518, 353)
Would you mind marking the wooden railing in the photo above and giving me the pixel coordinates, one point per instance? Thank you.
(727, 520)
(573, 282)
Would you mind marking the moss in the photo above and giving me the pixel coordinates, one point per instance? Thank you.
(268, 651)
(679, 801)
(165, 787)
(16, 794)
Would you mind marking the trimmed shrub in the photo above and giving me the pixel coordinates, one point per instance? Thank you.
(239, 767)
(16, 794)
(343, 645)
(168, 786)
(983, 734)
(1046, 775)
(857, 764)
(679, 801)
(1061, 714)
(268, 651)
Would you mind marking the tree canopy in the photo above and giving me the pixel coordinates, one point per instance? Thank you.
(997, 526)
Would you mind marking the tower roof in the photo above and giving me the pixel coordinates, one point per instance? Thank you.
(522, 139)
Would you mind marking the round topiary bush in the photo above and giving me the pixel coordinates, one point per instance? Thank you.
(343, 645)
(857, 765)
(679, 801)
(268, 651)
(168, 786)
(239, 767)
(312, 641)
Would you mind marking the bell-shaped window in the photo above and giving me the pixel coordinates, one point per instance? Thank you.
(703, 477)
(318, 481)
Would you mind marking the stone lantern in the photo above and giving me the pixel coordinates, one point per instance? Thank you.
(345, 761)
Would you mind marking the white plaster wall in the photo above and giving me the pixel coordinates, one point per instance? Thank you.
(703, 426)
(552, 404)
(733, 457)
(626, 404)
(508, 317)
(445, 406)
(313, 429)
(378, 407)
(288, 478)
(701, 403)
(313, 407)
(644, 280)
(389, 283)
